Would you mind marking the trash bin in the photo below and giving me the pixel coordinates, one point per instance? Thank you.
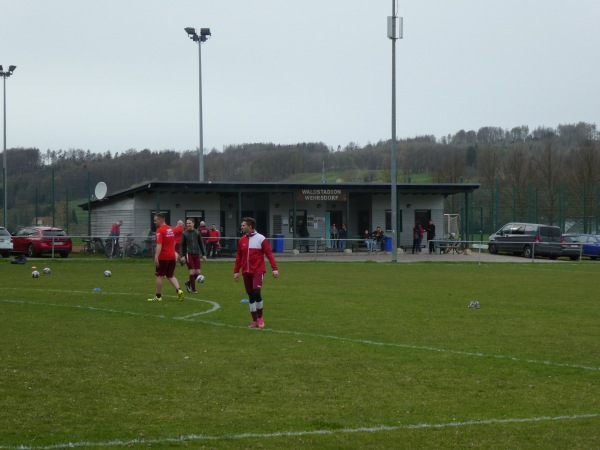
(388, 244)
(278, 243)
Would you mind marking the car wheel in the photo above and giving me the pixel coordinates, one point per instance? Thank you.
(527, 251)
(5, 254)
(574, 258)
(492, 249)
(30, 251)
(593, 257)
(64, 254)
(553, 257)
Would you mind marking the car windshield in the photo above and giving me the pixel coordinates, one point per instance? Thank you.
(52, 233)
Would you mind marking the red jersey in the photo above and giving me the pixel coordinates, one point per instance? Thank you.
(214, 236)
(166, 237)
(204, 232)
(115, 230)
(178, 231)
(251, 251)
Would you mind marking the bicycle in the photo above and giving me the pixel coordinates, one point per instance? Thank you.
(453, 244)
(130, 248)
(93, 246)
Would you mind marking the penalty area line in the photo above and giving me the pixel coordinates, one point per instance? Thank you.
(376, 429)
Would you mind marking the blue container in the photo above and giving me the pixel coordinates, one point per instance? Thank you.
(388, 244)
(278, 243)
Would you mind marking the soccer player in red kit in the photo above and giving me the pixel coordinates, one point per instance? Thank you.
(250, 259)
(164, 257)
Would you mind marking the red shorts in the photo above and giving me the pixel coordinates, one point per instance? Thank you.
(166, 268)
(193, 262)
(253, 281)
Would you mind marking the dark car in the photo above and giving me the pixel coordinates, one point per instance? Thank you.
(527, 239)
(571, 247)
(590, 244)
(6, 244)
(33, 241)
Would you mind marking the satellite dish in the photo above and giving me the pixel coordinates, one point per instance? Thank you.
(100, 190)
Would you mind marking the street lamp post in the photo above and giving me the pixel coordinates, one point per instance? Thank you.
(202, 37)
(5, 74)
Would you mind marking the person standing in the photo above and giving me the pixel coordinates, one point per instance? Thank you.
(417, 236)
(214, 241)
(165, 258)
(191, 249)
(115, 232)
(250, 260)
(333, 236)
(204, 232)
(343, 235)
(178, 231)
(430, 229)
(304, 234)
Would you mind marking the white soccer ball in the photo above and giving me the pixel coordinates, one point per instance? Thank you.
(35, 274)
(200, 279)
(107, 273)
(47, 270)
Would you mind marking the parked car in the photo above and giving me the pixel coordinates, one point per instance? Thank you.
(527, 239)
(591, 245)
(571, 247)
(33, 241)
(6, 244)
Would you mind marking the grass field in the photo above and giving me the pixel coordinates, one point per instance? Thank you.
(354, 355)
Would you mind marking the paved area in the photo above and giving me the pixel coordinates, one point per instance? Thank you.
(473, 256)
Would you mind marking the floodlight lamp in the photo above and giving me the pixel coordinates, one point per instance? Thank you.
(191, 31)
(11, 69)
(1, 69)
(205, 31)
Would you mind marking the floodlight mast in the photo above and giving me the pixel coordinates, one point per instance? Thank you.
(394, 33)
(204, 33)
(5, 74)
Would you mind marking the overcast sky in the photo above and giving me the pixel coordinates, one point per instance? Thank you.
(114, 75)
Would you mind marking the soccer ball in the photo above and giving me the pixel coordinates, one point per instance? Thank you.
(47, 270)
(35, 274)
(200, 279)
(107, 273)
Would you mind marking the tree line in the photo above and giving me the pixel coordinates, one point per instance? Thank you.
(516, 159)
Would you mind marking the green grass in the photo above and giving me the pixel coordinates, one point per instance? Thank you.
(355, 355)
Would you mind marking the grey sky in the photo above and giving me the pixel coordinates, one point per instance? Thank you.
(115, 75)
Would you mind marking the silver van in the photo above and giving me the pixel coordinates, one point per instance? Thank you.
(527, 239)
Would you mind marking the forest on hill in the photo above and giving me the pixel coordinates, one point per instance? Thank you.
(547, 159)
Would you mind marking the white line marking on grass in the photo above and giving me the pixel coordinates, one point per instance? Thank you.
(215, 307)
(434, 349)
(202, 437)
(322, 336)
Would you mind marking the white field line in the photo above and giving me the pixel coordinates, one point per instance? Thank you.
(192, 317)
(377, 429)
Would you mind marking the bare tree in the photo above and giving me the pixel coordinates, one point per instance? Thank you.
(518, 173)
(549, 177)
(585, 173)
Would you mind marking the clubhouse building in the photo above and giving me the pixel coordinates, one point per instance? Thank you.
(280, 209)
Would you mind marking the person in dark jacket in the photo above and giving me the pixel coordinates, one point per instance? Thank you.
(192, 246)
(430, 229)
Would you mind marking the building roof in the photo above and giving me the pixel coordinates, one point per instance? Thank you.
(223, 188)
